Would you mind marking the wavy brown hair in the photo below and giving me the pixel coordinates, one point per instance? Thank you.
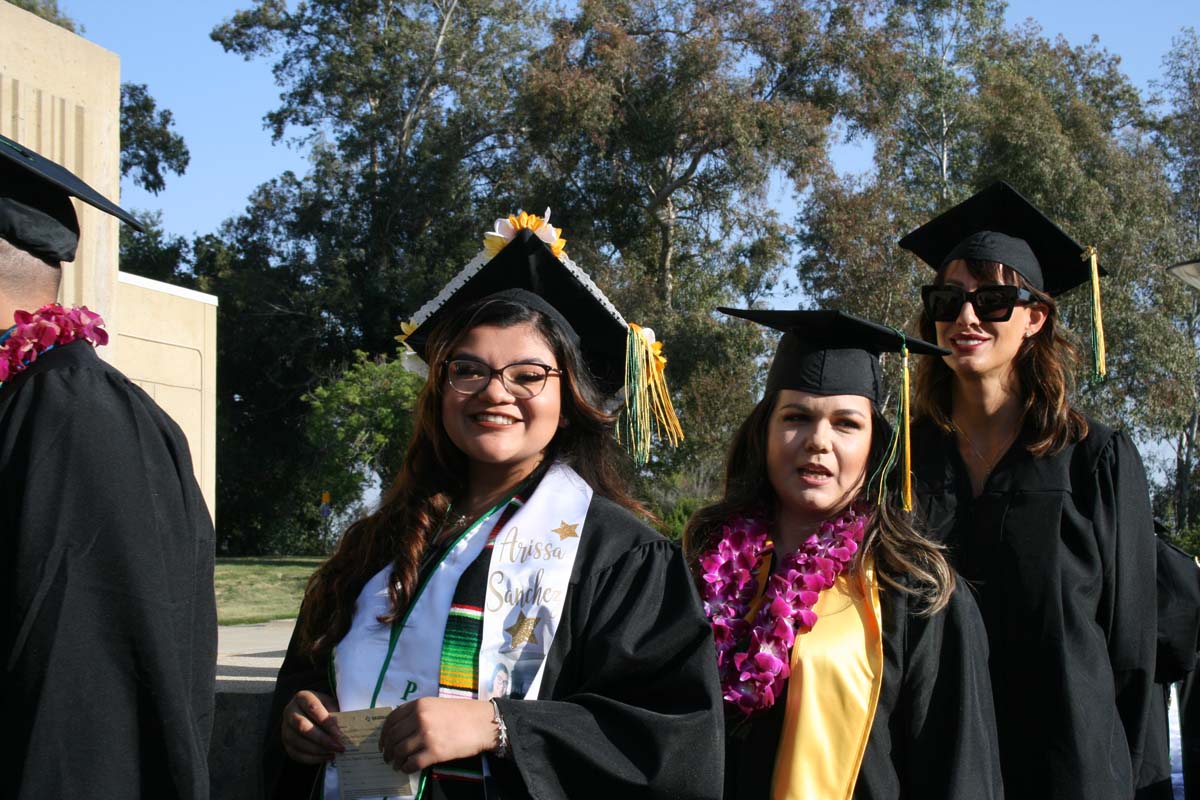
(904, 558)
(414, 507)
(1044, 366)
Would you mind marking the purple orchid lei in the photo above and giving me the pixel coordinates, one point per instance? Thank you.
(48, 327)
(752, 677)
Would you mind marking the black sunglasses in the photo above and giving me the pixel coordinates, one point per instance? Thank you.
(991, 303)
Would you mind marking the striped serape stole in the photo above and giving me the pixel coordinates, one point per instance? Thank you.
(460, 652)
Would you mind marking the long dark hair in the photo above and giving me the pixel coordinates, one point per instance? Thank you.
(904, 559)
(1044, 366)
(434, 471)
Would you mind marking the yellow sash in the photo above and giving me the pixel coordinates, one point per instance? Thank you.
(837, 672)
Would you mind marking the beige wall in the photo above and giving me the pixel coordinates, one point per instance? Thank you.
(61, 96)
(167, 344)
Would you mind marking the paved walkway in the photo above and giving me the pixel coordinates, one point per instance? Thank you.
(248, 656)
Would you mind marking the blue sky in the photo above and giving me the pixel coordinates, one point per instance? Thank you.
(219, 100)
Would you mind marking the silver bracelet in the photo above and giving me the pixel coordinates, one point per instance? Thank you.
(501, 748)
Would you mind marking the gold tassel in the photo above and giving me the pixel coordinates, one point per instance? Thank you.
(1099, 368)
(648, 407)
(906, 434)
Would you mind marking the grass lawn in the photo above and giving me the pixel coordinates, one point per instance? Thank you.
(261, 589)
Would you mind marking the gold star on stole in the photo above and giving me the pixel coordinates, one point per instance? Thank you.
(522, 631)
(566, 531)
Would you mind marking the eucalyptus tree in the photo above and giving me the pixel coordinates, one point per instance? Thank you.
(1180, 138)
(405, 109)
(656, 130)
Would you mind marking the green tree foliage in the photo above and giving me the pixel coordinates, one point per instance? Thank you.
(1180, 135)
(149, 146)
(274, 332)
(407, 102)
(1180, 138)
(49, 11)
(406, 106)
(679, 115)
(155, 253)
(360, 423)
(930, 98)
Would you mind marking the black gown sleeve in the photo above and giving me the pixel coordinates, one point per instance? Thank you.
(934, 734)
(636, 709)
(110, 625)
(284, 778)
(1178, 613)
(1124, 527)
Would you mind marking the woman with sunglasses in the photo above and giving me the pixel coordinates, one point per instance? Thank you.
(850, 664)
(507, 545)
(1044, 511)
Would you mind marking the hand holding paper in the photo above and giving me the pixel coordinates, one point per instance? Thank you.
(362, 772)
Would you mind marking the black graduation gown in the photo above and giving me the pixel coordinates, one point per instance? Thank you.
(1178, 634)
(1060, 551)
(110, 617)
(1189, 734)
(933, 735)
(632, 704)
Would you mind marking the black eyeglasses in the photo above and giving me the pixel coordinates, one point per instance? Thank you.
(522, 380)
(991, 303)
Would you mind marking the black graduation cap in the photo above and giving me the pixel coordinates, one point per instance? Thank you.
(524, 263)
(998, 224)
(36, 213)
(831, 352)
(526, 271)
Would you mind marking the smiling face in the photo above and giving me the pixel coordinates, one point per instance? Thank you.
(817, 453)
(494, 429)
(981, 349)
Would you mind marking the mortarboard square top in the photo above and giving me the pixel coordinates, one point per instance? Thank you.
(830, 352)
(526, 270)
(36, 214)
(998, 224)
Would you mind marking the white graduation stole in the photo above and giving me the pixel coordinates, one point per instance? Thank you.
(528, 577)
(530, 572)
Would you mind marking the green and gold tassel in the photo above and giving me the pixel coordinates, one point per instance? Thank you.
(648, 409)
(1099, 369)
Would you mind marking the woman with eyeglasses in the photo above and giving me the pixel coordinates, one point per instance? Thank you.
(520, 628)
(1045, 511)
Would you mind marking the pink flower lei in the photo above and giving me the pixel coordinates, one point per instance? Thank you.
(754, 660)
(48, 327)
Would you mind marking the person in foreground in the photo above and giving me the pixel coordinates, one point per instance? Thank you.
(110, 627)
(1045, 512)
(510, 540)
(851, 665)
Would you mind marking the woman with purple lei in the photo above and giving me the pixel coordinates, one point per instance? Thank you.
(850, 665)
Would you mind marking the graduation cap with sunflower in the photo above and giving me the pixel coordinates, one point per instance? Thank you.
(524, 258)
